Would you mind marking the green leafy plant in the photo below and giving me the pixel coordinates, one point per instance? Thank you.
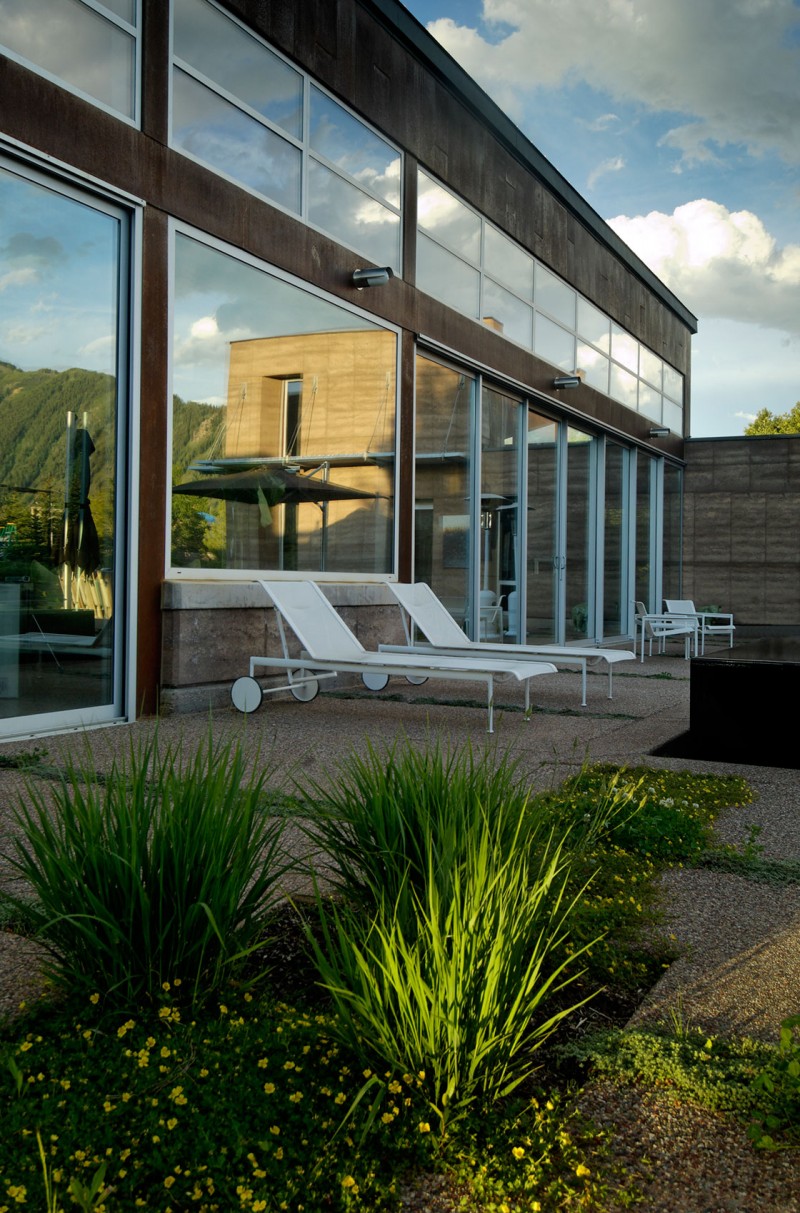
(779, 1084)
(395, 816)
(160, 872)
(455, 986)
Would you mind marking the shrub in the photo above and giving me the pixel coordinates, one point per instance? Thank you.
(160, 872)
(447, 974)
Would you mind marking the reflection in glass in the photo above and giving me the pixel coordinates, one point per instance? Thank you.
(499, 558)
(615, 579)
(673, 384)
(624, 348)
(440, 213)
(58, 454)
(649, 402)
(542, 564)
(283, 424)
(442, 554)
(651, 367)
(447, 277)
(595, 367)
(555, 297)
(623, 386)
(554, 344)
(353, 217)
(593, 326)
(579, 622)
(216, 132)
(507, 314)
(353, 147)
(507, 262)
(228, 55)
(672, 415)
(76, 44)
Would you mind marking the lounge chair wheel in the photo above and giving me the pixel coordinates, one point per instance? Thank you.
(246, 694)
(304, 691)
(375, 682)
(416, 680)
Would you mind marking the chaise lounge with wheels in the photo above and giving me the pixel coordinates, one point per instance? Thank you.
(329, 647)
(431, 617)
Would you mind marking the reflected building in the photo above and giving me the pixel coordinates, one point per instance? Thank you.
(192, 223)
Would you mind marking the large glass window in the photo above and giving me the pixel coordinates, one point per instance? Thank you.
(90, 49)
(244, 111)
(63, 356)
(470, 265)
(499, 514)
(580, 612)
(445, 401)
(616, 520)
(283, 424)
(543, 564)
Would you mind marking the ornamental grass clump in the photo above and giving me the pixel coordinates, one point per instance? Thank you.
(160, 872)
(449, 969)
(396, 816)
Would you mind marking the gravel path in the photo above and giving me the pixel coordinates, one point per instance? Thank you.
(739, 972)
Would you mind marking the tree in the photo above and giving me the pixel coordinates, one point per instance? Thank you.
(776, 423)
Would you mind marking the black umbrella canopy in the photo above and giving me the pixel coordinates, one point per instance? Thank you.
(276, 486)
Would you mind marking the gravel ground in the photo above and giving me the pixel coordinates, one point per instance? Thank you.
(739, 971)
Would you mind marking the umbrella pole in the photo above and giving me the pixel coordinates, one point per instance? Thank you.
(66, 571)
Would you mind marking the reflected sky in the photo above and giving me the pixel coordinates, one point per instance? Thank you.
(219, 299)
(58, 280)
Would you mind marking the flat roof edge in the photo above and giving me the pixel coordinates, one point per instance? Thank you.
(453, 76)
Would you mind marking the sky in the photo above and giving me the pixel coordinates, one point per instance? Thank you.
(679, 122)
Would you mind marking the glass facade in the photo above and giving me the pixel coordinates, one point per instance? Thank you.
(470, 265)
(527, 527)
(63, 363)
(246, 112)
(93, 50)
(283, 424)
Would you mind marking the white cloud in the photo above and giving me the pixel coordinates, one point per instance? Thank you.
(731, 66)
(721, 263)
(613, 165)
(22, 277)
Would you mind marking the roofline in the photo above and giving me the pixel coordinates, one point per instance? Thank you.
(442, 64)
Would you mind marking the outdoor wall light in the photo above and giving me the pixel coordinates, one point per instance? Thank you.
(659, 431)
(374, 277)
(567, 381)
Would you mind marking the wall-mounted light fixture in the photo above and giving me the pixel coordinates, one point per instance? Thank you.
(378, 276)
(659, 431)
(567, 381)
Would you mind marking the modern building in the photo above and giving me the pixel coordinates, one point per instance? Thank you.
(200, 384)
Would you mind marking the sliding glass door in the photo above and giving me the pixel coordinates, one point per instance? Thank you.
(63, 394)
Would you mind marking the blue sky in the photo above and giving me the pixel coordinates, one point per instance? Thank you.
(679, 122)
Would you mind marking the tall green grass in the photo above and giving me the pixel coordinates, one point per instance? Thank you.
(450, 936)
(156, 875)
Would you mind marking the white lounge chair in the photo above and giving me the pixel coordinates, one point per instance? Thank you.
(712, 623)
(431, 617)
(663, 627)
(329, 648)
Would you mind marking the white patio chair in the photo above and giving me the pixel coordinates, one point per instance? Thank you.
(329, 647)
(433, 620)
(712, 623)
(664, 627)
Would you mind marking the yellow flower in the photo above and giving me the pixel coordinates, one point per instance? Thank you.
(387, 1118)
(269, 1088)
(279, 1153)
(95, 998)
(274, 1130)
(518, 1152)
(424, 1127)
(169, 1181)
(263, 1062)
(165, 986)
(348, 1182)
(171, 1123)
(298, 1095)
(581, 1170)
